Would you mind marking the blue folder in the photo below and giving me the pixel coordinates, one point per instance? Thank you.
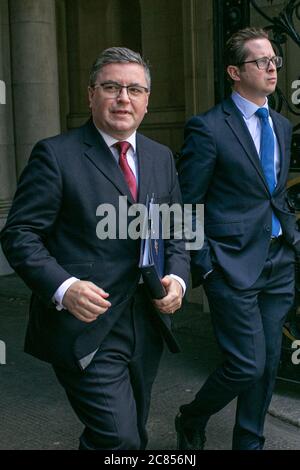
(152, 251)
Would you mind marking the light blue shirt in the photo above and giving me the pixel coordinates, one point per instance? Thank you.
(248, 110)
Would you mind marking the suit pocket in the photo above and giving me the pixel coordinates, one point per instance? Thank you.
(93, 334)
(229, 229)
(216, 274)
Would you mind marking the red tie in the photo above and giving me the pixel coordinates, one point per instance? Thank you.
(127, 171)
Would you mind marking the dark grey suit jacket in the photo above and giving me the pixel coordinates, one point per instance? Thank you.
(50, 235)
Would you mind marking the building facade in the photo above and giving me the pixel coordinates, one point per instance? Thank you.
(47, 48)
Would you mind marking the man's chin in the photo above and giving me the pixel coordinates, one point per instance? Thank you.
(270, 90)
(124, 130)
(120, 132)
(271, 86)
(123, 125)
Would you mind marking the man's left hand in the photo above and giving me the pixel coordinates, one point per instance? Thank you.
(172, 301)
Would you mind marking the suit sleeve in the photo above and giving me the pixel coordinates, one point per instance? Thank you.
(195, 169)
(31, 220)
(177, 259)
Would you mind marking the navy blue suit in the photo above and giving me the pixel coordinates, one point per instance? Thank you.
(251, 287)
(50, 236)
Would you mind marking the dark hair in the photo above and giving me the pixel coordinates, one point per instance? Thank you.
(115, 55)
(236, 50)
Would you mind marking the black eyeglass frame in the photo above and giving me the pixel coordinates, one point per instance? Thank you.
(119, 87)
(272, 59)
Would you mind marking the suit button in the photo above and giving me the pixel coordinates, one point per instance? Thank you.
(267, 228)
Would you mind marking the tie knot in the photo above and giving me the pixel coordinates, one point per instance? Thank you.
(122, 147)
(262, 113)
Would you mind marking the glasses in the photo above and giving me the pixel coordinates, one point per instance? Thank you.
(264, 62)
(113, 90)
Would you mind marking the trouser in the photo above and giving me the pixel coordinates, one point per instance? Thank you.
(112, 396)
(248, 327)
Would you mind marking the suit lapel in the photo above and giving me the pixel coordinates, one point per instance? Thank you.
(237, 124)
(100, 155)
(145, 163)
(278, 128)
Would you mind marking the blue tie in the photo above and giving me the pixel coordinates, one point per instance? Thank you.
(267, 159)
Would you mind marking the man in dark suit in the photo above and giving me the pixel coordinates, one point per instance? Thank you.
(235, 161)
(90, 315)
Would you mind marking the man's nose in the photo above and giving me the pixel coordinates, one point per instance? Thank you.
(123, 95)
(271, 66)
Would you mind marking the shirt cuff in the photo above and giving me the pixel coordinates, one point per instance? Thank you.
(60, 292)
(181, 282)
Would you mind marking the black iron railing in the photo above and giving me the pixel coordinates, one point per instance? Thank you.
(282, 27)
(232, 15)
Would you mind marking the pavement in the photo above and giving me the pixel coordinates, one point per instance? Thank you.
(35, 414)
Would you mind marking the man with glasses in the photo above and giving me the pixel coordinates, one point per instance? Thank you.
(235, 161)
(90, 314)
(263, 63)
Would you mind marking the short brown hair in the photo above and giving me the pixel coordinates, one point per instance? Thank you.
(236, 51)
(115, 55)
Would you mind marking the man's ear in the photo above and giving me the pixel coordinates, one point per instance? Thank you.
(90, 95)
(147, 102)
(233, 72)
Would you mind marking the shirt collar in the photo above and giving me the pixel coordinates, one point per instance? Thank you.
(110, 141)
(247, 108)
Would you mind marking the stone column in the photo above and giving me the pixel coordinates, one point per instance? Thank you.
(161, 27)
(198, 44)
(198, 49)
(86, 38)
(7, 155)
(34, 74)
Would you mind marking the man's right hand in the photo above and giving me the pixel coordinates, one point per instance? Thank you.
(86, 301)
